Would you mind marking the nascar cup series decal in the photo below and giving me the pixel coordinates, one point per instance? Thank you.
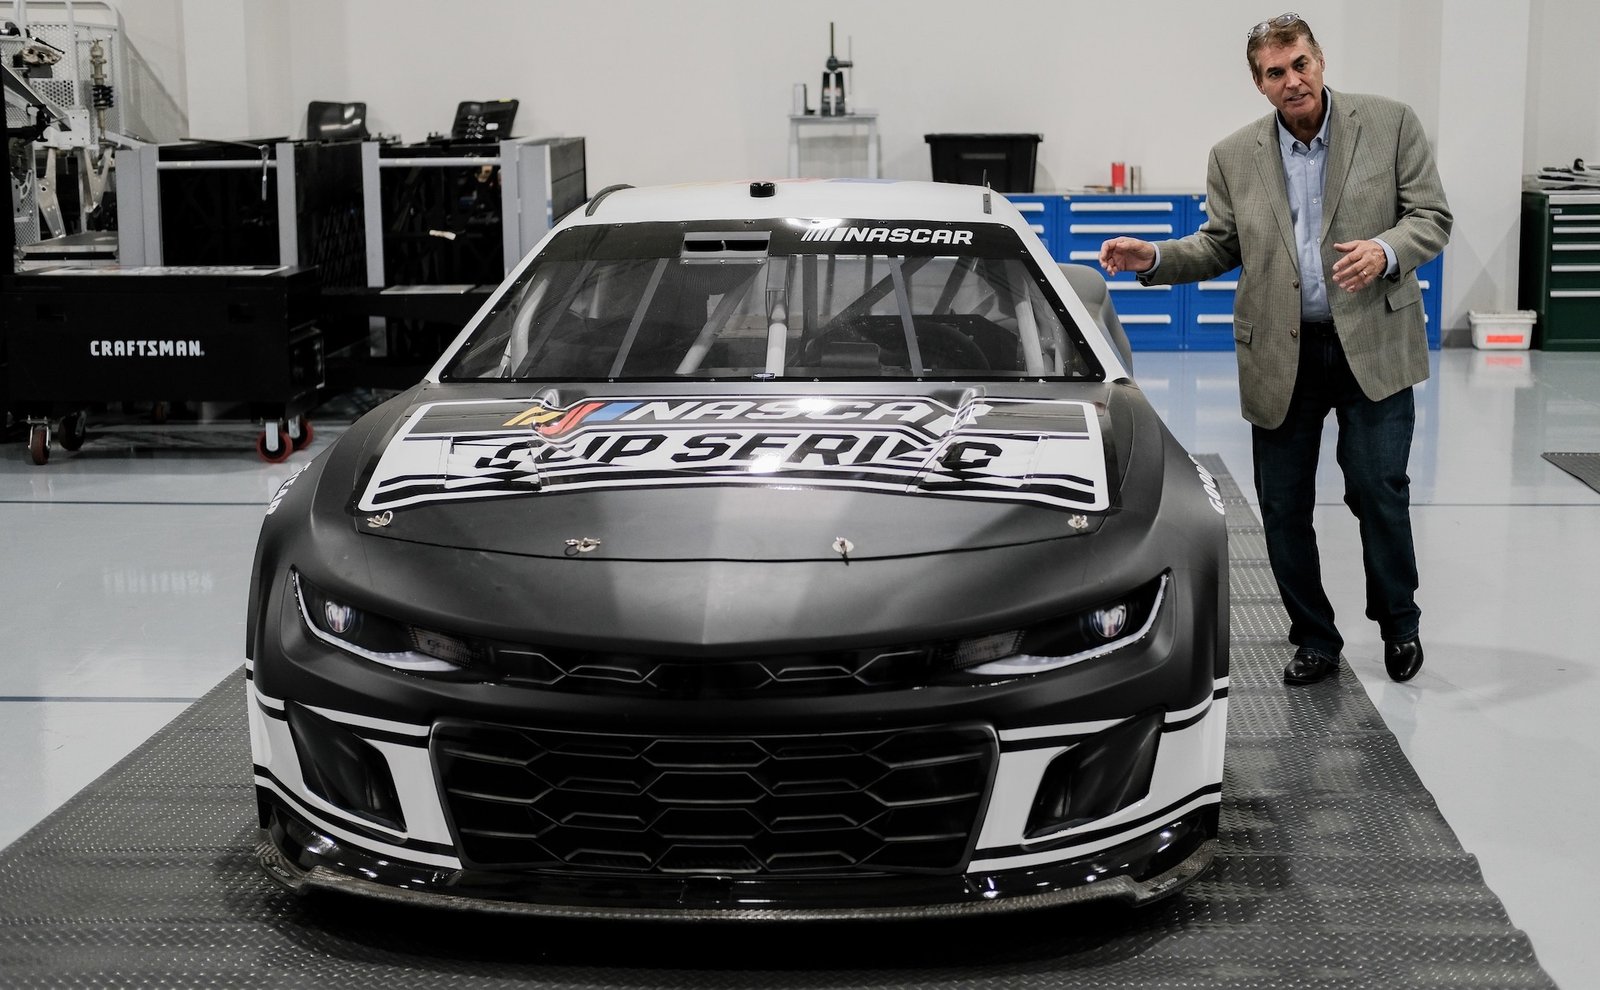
(1045, 452)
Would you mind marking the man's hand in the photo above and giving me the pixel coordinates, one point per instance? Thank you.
(1129, 254)
(1363, 262)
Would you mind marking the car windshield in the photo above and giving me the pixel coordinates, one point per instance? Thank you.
(778, 299)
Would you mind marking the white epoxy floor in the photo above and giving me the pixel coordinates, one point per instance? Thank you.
(124, 573)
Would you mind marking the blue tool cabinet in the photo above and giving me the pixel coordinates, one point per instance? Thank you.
(1193, 317)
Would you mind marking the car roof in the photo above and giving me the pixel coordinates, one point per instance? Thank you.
(876, 199)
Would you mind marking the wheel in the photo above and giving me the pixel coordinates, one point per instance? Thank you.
(306, 435)
(274, 446)
(39, 443)
(74, 430)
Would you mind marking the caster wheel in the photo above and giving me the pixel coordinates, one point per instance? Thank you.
(307, 434)
(274, 449)
(74, 430)
(39, 444)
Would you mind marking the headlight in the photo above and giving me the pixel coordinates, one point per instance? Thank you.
(380, 639)
(1088, 634)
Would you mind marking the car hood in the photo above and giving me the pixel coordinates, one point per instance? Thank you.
(716, 475)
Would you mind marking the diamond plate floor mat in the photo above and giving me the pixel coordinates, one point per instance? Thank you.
(1336, 872)
(1584, 467)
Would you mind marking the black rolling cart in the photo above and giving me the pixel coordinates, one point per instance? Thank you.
(224, 248)
(77, 337)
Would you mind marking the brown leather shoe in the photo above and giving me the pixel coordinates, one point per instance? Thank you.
(1403, 659)
(1309, 666)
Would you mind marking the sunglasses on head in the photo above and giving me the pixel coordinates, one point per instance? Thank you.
(1282, 20)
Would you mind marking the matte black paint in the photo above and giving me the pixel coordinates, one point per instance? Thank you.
(713, 573)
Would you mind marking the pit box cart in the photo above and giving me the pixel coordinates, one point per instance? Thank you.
(75, 337)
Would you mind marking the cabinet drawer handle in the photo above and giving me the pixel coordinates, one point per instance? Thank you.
(1083, 255)
(1575, 247)
(1206, 318)
(1424, 284)
(1575, 268)
(1037, 228)
(1571, 294)
(1143, 206)
(1232, 286)
(1029, 207)
(1147, 318)
(1136, 287)
(1121, 228)
(1576, 230)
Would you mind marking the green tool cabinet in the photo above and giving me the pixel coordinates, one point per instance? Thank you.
(1193, 317)
(1560, 267)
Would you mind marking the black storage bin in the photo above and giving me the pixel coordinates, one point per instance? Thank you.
(1006, 160)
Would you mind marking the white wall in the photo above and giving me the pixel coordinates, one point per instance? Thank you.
(696, 89)
(667, 92)
(217, 89)
(1563, 98)
(155, 29)
(267, 28)
(1478, 139)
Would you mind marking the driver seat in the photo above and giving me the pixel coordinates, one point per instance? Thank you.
(1090, 286)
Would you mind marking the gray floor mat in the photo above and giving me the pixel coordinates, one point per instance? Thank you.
(1336, 871)
(1583, 466)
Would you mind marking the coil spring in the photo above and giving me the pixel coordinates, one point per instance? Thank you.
(102, 96)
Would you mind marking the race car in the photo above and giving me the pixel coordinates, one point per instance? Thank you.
(791, 550)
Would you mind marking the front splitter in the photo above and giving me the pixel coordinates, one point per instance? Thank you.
(1132, 875)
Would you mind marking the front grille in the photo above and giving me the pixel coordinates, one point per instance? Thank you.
(646, 675)
(892, 801)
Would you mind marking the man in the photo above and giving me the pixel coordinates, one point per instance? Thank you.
(1327, 205)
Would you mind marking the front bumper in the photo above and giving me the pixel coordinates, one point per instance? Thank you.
(423, 830)
(1147, 849)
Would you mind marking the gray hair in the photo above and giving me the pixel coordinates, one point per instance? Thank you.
(1276, 35)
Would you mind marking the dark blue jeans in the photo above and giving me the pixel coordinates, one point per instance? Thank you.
(1374, 446)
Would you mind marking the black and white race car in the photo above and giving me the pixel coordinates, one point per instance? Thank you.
(780, 550)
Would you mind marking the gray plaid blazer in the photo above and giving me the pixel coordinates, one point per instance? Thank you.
(1380, 182)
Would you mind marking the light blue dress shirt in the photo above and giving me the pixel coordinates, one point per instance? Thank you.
(1305, 168)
